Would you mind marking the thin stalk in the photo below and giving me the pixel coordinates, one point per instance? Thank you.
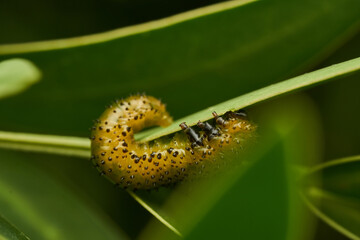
(53, 144)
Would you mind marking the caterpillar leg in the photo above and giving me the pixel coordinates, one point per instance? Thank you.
(219, 120)
(209, 130)
(241, 114)
(194, 138)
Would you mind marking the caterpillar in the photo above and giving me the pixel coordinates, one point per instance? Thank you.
(134, 165)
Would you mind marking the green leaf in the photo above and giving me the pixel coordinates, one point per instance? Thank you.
(80, 147)
(336, 197)
(191, 64)
(17, 75)
(266, 93)
(45, 209)
(340, 139)
(207, 56)
(8, 231)
(238, 203)
(75, 146)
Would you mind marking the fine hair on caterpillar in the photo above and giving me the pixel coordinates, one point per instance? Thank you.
(134, 165)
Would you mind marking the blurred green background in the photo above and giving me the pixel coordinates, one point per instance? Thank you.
(190, 65)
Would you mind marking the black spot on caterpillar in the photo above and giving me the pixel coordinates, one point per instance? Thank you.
(134, 165)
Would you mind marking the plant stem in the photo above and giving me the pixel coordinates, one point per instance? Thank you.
(62, 145)
(80, 147)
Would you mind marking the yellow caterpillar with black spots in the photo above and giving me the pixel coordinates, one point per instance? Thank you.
(134, 165)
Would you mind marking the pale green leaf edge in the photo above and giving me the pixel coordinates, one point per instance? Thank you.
(27, 210)
(317, 211)
(121, 32)
(154, 213)
(9, 232)
(328, 220)
(332, 163)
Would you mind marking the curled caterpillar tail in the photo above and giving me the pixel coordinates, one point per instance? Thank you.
(134, 165)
